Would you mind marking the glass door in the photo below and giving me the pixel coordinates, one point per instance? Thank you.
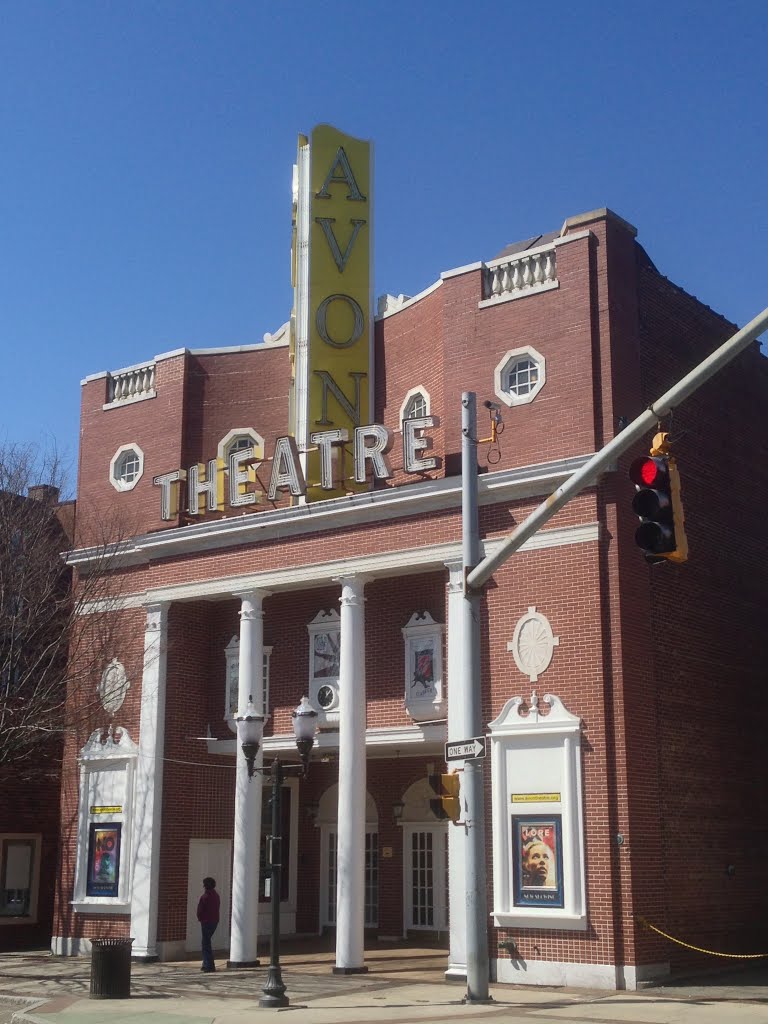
(426, 879)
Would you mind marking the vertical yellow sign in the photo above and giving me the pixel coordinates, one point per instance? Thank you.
(340, 329)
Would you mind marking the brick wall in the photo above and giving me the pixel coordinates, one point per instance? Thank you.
(664, 665)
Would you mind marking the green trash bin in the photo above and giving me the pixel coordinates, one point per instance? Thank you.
(111, 968)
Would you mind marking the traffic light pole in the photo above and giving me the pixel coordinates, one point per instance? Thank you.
(592, 469)
(472, 778)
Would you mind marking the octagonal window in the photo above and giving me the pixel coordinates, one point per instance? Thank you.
(126, 467)
(520, 376)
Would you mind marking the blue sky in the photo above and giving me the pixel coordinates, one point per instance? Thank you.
(147, 150)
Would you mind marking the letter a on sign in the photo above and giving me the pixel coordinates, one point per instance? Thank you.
(341, 171)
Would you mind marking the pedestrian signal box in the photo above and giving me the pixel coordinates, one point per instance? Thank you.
(658, 504)
(447, 804)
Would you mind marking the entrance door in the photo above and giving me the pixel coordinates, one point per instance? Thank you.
(329, 863)
(425, 866)
(208, 857)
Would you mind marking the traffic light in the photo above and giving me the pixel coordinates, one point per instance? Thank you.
(447, 804)
(661, 533)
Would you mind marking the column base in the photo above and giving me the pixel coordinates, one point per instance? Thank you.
(145, 959)
(237, 964)
(350, 970)
(455, 973)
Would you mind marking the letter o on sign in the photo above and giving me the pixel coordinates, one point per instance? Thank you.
(321, 321)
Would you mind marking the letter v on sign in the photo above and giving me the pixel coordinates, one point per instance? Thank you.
(341, 260)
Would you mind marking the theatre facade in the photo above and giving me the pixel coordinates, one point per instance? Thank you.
(285, 521)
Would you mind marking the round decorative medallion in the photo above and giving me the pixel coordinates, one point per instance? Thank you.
(113, 686)
(532, 644)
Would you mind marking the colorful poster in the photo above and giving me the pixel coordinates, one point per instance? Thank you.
(104, 860)
(423, 681)
(538, 860)
(326, 656)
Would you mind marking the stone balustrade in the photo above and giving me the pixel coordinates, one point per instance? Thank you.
(525, 273)
(131, 385)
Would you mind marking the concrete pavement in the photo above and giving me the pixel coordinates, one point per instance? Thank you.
(403, 985)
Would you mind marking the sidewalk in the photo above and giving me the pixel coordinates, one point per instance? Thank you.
(403, 985)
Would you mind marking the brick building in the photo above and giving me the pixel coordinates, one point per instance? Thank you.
(624, 701)
(34, 610)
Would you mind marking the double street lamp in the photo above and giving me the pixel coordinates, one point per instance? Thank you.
(249, 732)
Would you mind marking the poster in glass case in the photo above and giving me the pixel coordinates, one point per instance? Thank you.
(537, 860)
(103, 859)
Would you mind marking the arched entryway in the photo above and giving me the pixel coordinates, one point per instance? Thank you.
(425, 862)
(327, 823)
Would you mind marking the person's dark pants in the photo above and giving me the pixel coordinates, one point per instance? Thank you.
(208, 930)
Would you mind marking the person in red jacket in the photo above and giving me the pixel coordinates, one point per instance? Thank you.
(208, 916)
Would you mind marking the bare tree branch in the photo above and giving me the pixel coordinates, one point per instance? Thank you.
(52, 654)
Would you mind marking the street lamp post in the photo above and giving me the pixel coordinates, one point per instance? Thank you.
(249, 728)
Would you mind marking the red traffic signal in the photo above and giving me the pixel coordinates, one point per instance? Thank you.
(657, 504)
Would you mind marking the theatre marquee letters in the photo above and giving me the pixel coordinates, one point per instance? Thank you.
(205, 482)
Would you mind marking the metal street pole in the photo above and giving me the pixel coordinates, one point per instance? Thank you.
(274, 989)
(472, 780)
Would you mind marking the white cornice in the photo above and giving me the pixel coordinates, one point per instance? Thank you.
(277, 340)
(381, 742)
(383, 564)
(416, 499)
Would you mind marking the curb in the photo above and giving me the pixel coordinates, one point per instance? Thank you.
(27, 1005)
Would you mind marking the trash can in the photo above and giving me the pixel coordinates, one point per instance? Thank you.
(111, 968)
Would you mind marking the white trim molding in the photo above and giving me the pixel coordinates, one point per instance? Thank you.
(511, 359)
(417, 499)
(257, 442)
(107, 772)
(117, 482)
(537, 794)
(412, 393)
(386, 563)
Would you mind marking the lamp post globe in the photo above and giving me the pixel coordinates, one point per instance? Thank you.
(304, 719)
(250, 724)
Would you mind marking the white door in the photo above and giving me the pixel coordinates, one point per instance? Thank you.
(425, 869)
(328, 878)
(209, 857)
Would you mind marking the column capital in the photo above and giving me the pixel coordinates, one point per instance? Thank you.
(157, 616)
(251, 602)
(455, 583)
(352, 587)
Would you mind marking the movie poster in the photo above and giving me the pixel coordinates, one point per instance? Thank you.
(538, 860)
(423, 672)
(103, 860)
(325, 654)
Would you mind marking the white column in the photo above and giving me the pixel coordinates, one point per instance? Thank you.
(457, 905)
(244, 927)
(149, 787)
(350, 850)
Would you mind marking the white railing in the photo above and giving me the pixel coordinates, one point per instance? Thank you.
(521, 274)
(130, 385)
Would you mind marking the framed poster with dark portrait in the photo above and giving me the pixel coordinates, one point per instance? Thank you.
(537, 843)
(103, 859)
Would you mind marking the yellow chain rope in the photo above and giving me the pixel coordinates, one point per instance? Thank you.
(731, 956)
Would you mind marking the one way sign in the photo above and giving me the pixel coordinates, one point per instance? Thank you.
(465, 750)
